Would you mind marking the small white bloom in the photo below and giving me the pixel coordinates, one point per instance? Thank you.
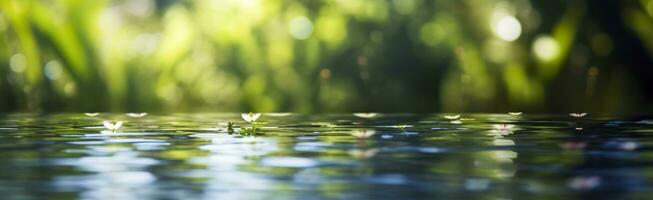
(452, 117)
(365, 133)
(250, 117)
(136, 115)
(112, 125)
(91, 114)
(366, 115)
(577, 115)
(514, 113)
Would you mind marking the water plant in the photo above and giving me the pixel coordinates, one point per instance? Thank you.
(451, 117)
(250, 118)
(249, 131)
(230, 127)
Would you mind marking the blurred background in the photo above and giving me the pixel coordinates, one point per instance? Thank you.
(326, 56)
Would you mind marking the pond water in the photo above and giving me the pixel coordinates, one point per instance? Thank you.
(344, 156)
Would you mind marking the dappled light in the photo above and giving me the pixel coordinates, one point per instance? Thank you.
(325, 56)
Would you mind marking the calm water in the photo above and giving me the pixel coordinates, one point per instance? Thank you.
(191, 156)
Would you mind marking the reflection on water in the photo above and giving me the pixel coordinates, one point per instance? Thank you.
(362, 156)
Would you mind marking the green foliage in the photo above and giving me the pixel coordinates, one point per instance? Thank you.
(312, 56)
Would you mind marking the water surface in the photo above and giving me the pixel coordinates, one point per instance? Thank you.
(296, 156)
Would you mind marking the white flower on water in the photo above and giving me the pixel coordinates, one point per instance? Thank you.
(452, 117)
(136, 115)
(112, 125)
(91, 114)
(514, 113)
(365, 133)
(577, 115)
(250, 117)
(456, 122)
(366, 115)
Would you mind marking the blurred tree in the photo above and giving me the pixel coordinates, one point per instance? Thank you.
(326, 56)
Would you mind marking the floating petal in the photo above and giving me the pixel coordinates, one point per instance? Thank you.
(577, 115)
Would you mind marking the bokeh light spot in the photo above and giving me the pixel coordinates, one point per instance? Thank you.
(546, 48)
(300, 28)
(18, 63)
(507, 28)
(53, 70)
